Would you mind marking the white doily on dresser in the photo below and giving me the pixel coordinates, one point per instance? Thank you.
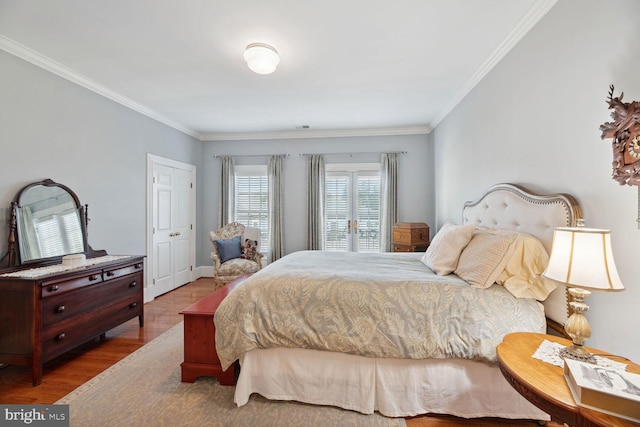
(549, 352)
(58, 268)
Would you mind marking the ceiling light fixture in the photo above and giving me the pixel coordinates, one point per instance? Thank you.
(261, 58)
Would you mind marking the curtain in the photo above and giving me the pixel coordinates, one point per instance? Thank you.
(276, 207)
(315, 202)
(389, 198)
(226, 206)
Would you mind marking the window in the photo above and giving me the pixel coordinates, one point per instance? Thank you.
(252, 199)
(352, 207)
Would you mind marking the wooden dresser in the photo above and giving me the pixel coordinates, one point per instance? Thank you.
(410, 237)
(45, 313)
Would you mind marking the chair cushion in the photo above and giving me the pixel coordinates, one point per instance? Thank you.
(238, 267)
(228, 248)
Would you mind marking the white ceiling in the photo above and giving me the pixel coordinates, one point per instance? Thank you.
(348, 67)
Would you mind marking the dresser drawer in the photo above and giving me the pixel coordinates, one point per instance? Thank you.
(66, 305)
(53, 288)
(69, 333)
(123, 271)
(409, 248)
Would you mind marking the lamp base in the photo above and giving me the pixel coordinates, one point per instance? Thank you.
(577, 352)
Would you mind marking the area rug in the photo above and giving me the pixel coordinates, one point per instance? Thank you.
(144, 389)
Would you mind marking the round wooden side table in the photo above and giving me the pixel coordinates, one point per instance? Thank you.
(544, 385)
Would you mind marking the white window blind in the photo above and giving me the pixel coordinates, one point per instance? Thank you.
(59, 234)
(369, 212)
(252, 199)
(337, 212)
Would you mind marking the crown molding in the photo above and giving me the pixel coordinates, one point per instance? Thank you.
(35, 58)
(533, 16)
(314, 133)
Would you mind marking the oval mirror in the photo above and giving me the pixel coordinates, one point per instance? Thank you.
(50, 222)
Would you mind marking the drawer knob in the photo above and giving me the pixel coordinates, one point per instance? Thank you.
(93, 277)
(54, 288)
(139, 265)
(133, 305)
(110, 273)
(61, 336)
(133, 284)
(60, 309)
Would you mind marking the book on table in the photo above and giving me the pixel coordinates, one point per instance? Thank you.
(604, 389)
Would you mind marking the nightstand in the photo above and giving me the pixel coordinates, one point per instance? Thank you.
(543, 384)
(410, 237)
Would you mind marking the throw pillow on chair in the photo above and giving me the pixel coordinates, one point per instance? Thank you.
(229, 248)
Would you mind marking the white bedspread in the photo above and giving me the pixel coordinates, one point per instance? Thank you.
(385, 305)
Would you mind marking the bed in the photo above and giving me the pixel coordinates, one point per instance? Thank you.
(403, 333)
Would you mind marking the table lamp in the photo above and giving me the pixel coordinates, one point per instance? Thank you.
(582, 259)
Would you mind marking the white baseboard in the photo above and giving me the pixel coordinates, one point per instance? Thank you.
(203, 271)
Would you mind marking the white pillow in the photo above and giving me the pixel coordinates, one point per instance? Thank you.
(522, 275)
(445, 248)
(486, 255)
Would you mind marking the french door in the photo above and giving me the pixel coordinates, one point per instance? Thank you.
(352, 210)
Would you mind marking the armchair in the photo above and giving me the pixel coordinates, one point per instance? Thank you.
(236, 251)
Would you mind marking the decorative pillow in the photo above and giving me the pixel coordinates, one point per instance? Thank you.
(250, 249)
(486, 255)
(522, 275)
(228, 249)
(445, 248)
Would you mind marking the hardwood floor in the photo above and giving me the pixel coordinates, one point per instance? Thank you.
(65, 373)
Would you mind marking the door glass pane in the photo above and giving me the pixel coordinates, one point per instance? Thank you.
(368, 213)
(336, 212)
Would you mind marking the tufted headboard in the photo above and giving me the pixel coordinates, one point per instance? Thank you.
(512, 207)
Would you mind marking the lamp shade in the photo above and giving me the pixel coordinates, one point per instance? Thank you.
(261, 58)
(582, 257)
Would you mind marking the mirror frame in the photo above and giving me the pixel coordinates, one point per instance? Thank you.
(14, 252)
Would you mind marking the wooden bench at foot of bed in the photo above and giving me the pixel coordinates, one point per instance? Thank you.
(200, 357)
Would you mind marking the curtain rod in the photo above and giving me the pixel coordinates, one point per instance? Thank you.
(351, 154)
(215, 156)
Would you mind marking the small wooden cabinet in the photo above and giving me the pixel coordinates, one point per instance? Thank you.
(43, 315)
(410, 237)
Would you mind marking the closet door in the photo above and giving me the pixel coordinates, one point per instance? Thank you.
(172, 228)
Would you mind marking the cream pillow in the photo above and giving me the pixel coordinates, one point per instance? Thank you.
(522, 275)
(486, 255)
(444, 250)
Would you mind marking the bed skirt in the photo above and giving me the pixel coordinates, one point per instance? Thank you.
(393, 387)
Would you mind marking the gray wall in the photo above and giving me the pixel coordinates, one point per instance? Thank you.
(534, 121)
(415, 176)
(52, 128)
